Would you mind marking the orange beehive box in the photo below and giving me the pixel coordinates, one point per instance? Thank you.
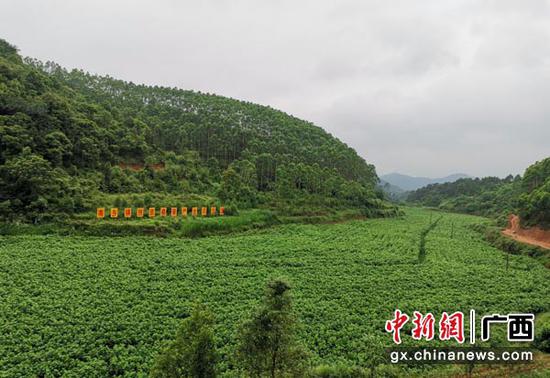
(114, 212)
(213, 210)
(151, 212)
(139, 212)
(128, 212)
(204, 211)
(174, 212)
(195, 211)
(184, 211)
(222, 210)
(100, 212)
(163, 212)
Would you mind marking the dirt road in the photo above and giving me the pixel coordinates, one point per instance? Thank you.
(534, 235)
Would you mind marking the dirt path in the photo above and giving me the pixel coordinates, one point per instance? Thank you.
(533, 236)
(526, 239)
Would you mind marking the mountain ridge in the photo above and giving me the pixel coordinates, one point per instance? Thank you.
(408, 183)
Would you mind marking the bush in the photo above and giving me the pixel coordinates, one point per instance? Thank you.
(33, 188)
(193, 352)
(542, 340)
(494, 236)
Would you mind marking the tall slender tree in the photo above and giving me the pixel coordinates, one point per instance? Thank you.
(267, 345)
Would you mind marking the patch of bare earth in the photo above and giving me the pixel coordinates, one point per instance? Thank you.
(533, 235)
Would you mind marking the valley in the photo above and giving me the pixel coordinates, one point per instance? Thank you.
(80, 306)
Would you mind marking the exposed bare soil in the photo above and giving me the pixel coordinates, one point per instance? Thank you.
(533, 235)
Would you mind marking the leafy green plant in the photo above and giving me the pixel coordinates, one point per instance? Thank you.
(193, 352)
(107, 305)
(267, 345)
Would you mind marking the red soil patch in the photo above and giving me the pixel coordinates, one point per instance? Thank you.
(139, 166)
(533, 235)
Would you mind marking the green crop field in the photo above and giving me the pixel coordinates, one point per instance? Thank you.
(92, 306)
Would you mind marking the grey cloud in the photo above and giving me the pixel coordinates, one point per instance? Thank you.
(424, 88)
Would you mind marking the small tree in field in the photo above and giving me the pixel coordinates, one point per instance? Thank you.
(192, 354)
(267, 345)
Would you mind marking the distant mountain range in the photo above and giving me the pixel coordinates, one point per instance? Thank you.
(407, 183)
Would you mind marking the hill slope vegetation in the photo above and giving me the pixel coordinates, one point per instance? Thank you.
(67, 135)
(407, 183)
(527, 195)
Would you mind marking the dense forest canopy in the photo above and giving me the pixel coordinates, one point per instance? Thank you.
(490, 196)
(65, 135)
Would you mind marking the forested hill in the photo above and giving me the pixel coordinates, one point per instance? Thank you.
(528, 195)
(74, 134)
(216, 127)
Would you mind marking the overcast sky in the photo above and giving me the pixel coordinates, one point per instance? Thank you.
(418, 87)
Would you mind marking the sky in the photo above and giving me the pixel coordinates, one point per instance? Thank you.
(425, 88)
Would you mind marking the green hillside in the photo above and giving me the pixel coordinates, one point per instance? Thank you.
(528, 195)
(68, 136)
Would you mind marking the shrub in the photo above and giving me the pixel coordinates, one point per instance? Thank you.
(193, 352)
(542, 340)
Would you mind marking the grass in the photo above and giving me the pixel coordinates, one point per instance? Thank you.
(493, 234)
(86, 224)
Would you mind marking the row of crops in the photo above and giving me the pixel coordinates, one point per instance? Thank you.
(92, 306)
